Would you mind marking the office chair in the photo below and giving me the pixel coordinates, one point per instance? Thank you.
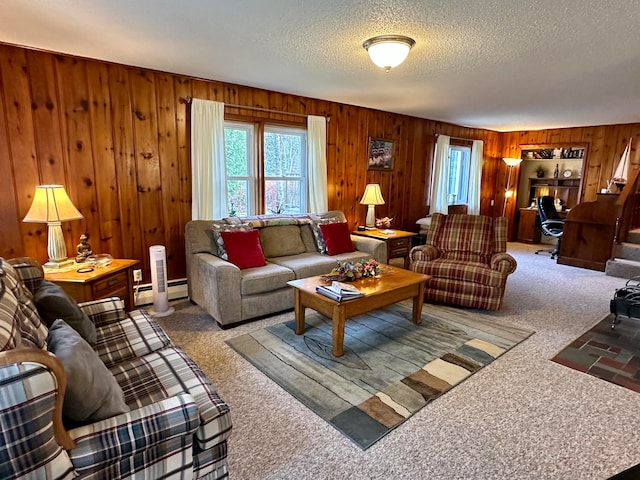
(550, 222)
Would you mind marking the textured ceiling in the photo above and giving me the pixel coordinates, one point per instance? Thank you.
(499, 64)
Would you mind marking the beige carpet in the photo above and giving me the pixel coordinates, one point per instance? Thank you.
(523, 417)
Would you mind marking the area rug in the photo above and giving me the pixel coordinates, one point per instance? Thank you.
(612, 355)
(391, 368)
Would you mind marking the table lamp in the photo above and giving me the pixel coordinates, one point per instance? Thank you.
(51, 205)
(372, 197)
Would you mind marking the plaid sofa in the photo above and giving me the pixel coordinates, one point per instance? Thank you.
(466, 257)
(176, 427)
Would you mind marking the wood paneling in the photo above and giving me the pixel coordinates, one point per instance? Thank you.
(118, 138)
(605, 145)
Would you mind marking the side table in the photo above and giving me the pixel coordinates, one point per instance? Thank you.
(114, 280)
(398, 242)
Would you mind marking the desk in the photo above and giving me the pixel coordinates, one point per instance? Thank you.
(529, 230)
(115, 280)
(398, 242)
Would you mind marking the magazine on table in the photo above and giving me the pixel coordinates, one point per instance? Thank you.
(339, 291)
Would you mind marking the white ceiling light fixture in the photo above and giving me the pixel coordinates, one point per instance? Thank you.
(388, 51)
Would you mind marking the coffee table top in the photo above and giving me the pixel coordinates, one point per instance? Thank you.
(390, 278)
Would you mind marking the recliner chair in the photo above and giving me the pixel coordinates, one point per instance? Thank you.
(550, 222)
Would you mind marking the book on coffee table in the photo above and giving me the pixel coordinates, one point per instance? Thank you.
(339, 291)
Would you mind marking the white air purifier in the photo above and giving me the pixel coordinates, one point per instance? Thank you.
(159, 285)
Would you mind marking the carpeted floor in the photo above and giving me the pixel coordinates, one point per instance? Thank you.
(522, 417)
(612, 355)
(390, 369)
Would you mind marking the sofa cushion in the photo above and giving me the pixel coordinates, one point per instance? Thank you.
(29, 271)
(337, 238)
(306, 264)
(243, 248)
(265, 279)
(52, 303)
(217, 228)
(463, 271)
(92, 392)
(463, 237)
(279, 241)
(10, 336)
(169, 372)
(32, 329)
(132, 337)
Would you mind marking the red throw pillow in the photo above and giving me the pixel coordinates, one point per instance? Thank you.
(243, 248)
(336, 237)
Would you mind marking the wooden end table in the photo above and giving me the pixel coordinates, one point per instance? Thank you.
(398, 242)
(114, 280)
(393, 285)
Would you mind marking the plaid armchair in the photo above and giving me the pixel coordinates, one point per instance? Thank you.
(466, 257)
(174, 424)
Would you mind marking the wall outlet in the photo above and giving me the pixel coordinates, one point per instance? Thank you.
(137, 275)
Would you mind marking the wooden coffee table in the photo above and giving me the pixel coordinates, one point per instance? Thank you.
(393, 285)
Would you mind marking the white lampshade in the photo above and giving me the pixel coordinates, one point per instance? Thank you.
(372, 195)
(388, 51)
(52, 205)
(512, 162)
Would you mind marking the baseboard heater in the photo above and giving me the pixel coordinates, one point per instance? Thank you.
(177, 289)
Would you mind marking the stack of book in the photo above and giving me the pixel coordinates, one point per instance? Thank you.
(339, 291)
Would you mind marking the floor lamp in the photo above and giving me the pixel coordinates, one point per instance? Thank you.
(511, 162)
(51, 205)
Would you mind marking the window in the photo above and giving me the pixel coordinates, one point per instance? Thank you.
(458, 180)
(280, 186)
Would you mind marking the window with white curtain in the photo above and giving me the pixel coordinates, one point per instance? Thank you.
(458, 178)
(281, 161)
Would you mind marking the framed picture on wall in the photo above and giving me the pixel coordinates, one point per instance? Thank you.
(380, 154)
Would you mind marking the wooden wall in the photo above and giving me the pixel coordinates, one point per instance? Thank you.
(117, 138)
(605, 146)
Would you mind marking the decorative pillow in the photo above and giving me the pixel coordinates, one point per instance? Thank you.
(281, 241)
(92, 391)
(33, 331)
(10, 336)
(317, 234)
(243, 248)
(52, 303)
(29, 272)
(217, 229)
(337, 238)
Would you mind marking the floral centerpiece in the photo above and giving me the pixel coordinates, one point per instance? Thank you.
(350, 271)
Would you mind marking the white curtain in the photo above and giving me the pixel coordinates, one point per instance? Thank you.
(439, 179)
(208, 174)
(475, 177)
(317, 163)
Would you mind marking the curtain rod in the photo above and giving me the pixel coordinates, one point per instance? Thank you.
(261, 109)
(458, 138)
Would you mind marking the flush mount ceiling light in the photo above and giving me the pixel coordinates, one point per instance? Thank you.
(388, 51)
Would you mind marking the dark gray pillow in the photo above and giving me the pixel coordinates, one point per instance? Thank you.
(92, 391)
(53, 302)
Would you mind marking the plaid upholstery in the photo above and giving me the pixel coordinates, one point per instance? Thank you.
(32, 328)
(104, 312)
(177, 422)
(29, 271)
(212, 460)
(28, 448)
(148, 438)
(169, 372)
(466, 257)
(133, 337)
